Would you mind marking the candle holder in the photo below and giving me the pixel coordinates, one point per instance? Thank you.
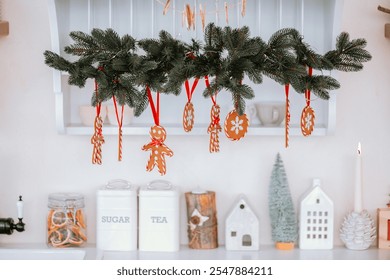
(388, 203)
(358, 230)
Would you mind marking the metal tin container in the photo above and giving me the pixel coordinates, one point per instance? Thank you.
(159, 217)
(116, 215)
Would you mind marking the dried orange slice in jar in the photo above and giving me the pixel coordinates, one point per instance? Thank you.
(66, 226)
(58, 219)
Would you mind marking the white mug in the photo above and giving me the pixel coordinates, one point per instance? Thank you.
(271, 113)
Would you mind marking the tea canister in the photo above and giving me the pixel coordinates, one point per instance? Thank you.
(116, 223)
(66, 223)
(159, 217)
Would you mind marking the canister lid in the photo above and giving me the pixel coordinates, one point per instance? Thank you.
(158, 187)
(117, 187)
(66, 199)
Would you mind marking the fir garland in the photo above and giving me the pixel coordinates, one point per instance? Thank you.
(226, 56)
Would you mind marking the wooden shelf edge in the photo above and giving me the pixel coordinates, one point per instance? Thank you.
(176, 129)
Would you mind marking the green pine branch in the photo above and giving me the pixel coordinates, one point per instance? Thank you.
(226, 55)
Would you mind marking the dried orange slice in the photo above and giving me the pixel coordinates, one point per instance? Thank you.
(80, 219)
(58, 219)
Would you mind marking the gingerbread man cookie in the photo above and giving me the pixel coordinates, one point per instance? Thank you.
(158, 150)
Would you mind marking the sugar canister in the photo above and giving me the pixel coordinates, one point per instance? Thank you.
(159, 217)
(116, 215)
(66, 223)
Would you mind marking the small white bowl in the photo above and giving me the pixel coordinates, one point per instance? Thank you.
(88, 114)
(128, 114)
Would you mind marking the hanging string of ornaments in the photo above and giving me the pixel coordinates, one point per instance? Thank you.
(223, 60)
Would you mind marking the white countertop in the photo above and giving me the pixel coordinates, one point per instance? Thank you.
(266, 252)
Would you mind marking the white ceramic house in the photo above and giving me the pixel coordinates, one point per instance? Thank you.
(316, 219)
(242, 227)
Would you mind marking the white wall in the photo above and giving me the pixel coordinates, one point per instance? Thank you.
(35, 160)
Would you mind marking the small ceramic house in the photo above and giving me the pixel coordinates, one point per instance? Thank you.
(316, 219)
(242, 227)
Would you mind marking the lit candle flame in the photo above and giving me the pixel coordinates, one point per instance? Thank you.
(359, 150)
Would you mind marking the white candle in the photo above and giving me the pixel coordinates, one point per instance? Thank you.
(358, 181)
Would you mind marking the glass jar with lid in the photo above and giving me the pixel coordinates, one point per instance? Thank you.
(66, 223)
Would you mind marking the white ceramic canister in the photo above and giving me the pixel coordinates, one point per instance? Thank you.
(116, 223)
(159, 217)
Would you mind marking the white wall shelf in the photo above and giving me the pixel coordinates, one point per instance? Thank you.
(317, 20)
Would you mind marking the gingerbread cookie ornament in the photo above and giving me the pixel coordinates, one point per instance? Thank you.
(97, 140)
(158, 150)
(188, 117)
(308, 115)
(287, 117)
(214, 128)
(236, 126)
(189, 111)
(307, 121)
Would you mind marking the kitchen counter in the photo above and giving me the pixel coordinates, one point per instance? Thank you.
(266, 252)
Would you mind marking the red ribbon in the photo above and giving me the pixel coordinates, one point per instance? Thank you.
(216, 121)
(213, 97)
(287, 89)
(120, 121)
(188, 91)
(156, 142)
(155, 108)
(99, 105)
(307, 93)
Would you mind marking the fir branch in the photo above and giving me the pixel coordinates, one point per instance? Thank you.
(320, 85)
(226, 56)
(349, 55)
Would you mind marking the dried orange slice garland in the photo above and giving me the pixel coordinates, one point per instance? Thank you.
(66, 228)
(158, 150)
